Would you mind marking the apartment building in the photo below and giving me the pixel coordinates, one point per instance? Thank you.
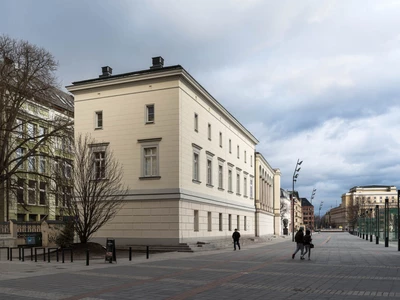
(189, 164)
(308, 213)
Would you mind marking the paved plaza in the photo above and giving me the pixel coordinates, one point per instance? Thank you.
(342, 266)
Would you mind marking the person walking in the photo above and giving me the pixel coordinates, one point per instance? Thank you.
(299, 239)
(236, 237)
(307, 243)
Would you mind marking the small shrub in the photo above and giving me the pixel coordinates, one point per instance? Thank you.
(66, 237)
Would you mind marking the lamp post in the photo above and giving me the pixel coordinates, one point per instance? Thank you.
(295, 174)
(387, 222)
(370, 224)
(319, 213)
(377, 224)
(311, 199)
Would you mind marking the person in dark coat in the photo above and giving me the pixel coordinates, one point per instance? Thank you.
(307, 242)
(236, 237)
(299, 239)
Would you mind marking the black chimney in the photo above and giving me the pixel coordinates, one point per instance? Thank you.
(107, 71)
(158, 62)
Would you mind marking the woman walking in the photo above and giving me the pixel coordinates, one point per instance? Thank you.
(307, 241)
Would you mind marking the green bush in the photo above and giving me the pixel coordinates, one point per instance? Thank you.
(66, 237)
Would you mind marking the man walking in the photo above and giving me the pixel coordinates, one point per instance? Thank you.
(299, 239)
(236, 237)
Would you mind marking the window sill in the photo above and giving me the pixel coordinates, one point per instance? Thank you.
(149, 123)
(149, 177)
(230, 192)
(238, 194)
(209, 185)
(221, 189)
(196, 181)
(245, 197)
(98, 128)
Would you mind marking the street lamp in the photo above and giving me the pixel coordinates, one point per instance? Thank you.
(320, 206)
(311, 199)
(295, 174)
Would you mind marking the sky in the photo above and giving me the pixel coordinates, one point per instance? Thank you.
(315, 81)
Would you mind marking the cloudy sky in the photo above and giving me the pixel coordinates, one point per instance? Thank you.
(316, 80)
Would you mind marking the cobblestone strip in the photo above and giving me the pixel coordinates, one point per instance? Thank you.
(32, 294)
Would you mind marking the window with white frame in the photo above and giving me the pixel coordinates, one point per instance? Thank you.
(99, 152)
(68, 169)
(20, 190)
(150, 114)
(220, 139)
(196, 122)
(98, 120)
(209, 131)
(238, 151)
(245, 186)
(31, 130)
(42, 132)
(209, 168)
(196, 163)
(230, 146)
(230, 179)
(251, 160)
(245, 156)
(220, 174)
(42, 193)
(32, 192)
(150, 158)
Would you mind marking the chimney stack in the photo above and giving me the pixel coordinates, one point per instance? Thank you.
(107, 71)
(158, 62)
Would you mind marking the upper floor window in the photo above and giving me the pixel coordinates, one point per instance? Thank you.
(42, 132)
(251, 160)
(196, 162)
(209, 131)
(19, 128)
(245, 156)
(100, 165)
(209, 172)
(238, 151)
(230, 146)
(220, 176)
(20, 154)
(98, 119)
(31, 130)
(230, 180)
(220, 139)
(237, 183)
(150, 113)
(196, 122)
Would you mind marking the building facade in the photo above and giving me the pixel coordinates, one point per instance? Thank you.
(307, 210)
(189, 164)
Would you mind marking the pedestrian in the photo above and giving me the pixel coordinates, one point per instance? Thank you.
(307, 242)
(299, 239)
(236, 237)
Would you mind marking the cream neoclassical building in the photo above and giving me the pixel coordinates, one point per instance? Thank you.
(189, 164)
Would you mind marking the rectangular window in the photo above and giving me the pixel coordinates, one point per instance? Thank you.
(67, 196)
(230, 146)
(42, 164)
(251, 188)
(237, 150)
(245, 186)
(68, 169)
(196, 122)
(196, 166)
(220, 139)
(196, 220)
(31, 163)
(32, 192)
(238, 183)
(20, 190)
(220, 222)
(150, 113)
(20, 154)
(98, 119)
(238, 222)
(31, 130)
(209, 131)
(42, 132)
(209, 172)
(209, 221)
(229, 180)
(245, 156)
(42, 192)
(150, 161)
(220, 176)
(230, 222)
(251, 160)
(245, 223)
(19, 128)
(100, 165)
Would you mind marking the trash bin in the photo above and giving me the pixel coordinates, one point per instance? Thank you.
(110, 251)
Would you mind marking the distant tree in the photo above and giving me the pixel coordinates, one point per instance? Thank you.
(352, 215)
(66, 237)
(98, 189)
(27, 82)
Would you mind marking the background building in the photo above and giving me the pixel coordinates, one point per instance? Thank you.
(307, 210)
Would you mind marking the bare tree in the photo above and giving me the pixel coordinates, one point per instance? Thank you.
(352, 215)
(98, 189)
(28, 131)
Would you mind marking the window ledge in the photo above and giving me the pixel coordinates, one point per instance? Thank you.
(98, 128)
(221, 189)
(148, 123)
(230, 192)
(209, 185)
(149, 177)
(238, 194)
(196, 181)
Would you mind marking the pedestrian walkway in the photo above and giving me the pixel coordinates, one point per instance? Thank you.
(342, 266)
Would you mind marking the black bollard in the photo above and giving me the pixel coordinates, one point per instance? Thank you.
(23, 253)
(35, 254)
(48, 255)
(130, 253)
(87, 257)
(147, 252)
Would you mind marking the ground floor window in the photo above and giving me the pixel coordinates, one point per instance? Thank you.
(196, 220)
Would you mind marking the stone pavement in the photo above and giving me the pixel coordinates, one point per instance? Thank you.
(342, 266)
